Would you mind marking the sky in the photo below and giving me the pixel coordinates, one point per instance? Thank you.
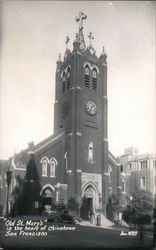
(33, 34)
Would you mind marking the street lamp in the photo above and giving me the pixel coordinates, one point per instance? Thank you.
(8, 180)
(131, 199)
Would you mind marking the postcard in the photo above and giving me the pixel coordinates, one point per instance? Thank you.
(77, 128)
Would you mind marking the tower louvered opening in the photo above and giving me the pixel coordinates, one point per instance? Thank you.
(87, 78)
(94, 79)
(94, 83)
(68, 82)
(87, 81)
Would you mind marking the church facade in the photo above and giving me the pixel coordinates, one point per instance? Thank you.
(75, 161)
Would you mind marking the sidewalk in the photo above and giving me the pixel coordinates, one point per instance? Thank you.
(105, 223)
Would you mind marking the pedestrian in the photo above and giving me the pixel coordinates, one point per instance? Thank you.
(93, 218)
(98, 220)
(89, 216)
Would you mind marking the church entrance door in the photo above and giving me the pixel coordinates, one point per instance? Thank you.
(88, 202)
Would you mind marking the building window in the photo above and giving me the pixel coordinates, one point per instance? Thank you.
(94, 79)
(68, 78)
(44, 167)
(130, 166)
(52, 168)
(143, 182)
(121, 168)
(143, 165)
(87, 73)
(5, 178)
(90, 153)
(154, 164)
(123, 186)
(109, 174)
(63, 83)
(47, 193)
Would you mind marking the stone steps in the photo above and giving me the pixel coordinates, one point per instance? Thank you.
(105, 222)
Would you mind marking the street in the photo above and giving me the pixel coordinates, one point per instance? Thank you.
(72, 236)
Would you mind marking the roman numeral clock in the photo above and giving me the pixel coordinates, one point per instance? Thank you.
(91, 107)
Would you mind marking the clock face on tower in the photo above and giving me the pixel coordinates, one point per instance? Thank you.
(91, 107)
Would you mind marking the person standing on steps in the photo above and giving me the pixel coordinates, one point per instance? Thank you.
(89, 216)
(92, 217)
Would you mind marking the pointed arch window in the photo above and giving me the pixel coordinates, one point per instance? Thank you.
(68, 78)
(89, 192)
(94, 79)
(63, 83)
(90, 153)
(87, 74)
(44, 167)
(52, 168)
(109, 173)
(47, 193)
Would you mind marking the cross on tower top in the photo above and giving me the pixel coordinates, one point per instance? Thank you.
(80, 19)
(91, 37)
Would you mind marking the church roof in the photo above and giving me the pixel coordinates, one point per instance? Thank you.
(48, 141)
(113, 159)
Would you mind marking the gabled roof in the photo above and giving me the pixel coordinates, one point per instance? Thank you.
(113, 159)
(47, 141)
(49, 138)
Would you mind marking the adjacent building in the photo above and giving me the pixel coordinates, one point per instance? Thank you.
(138, 172)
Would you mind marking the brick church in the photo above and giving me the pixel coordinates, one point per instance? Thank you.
(75, 161)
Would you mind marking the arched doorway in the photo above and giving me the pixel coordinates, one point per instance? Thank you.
(47, 197)
(88, 202)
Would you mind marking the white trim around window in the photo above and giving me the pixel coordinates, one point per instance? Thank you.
(44, 161)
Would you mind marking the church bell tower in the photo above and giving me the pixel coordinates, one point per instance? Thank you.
(81, 112)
